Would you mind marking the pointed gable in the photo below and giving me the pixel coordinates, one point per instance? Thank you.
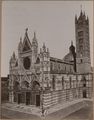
(26, 42)
(26, 46)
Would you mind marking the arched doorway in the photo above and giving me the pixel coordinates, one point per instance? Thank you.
(53, 82)
(37, 100)
(36, 92)
(27, 94)
(84, 94)
(19, 98)
(84, 86)
(16, 88)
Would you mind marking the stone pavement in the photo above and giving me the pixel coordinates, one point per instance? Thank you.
(22, 108)
(62, 113)
(85, 113)
(10, 114)
(60, 110)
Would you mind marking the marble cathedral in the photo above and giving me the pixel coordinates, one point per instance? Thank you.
(36, 78)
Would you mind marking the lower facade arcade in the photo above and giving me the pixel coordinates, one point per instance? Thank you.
(79, 86)
(50, 98)
(27, 97)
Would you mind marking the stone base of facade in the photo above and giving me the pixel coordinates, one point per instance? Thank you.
(50, 98)
(55, 97)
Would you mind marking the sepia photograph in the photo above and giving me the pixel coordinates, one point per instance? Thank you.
(47, 60)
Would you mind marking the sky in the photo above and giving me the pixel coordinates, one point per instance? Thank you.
(53, 22)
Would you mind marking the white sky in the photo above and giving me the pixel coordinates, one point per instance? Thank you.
(53, 21)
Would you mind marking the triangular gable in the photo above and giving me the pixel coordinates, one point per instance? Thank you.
(26, 44)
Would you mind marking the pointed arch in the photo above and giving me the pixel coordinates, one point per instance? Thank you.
(26, 46)
(16, 85)
(35, 85)
(25, 84)
(38, 60)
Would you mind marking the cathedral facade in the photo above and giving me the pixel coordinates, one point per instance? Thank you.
(36, 78)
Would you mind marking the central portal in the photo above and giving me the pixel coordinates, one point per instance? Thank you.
(27, 98)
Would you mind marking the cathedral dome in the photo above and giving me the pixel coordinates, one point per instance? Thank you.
(68, 58)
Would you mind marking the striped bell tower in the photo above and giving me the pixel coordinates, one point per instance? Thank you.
(82, 43)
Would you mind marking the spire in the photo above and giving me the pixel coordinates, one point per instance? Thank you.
(20, 45)
(14, 55)
(44, 47)
(26, 30)
(34, 35)
(40, 50)
(75, 18)
(87, 18)
(10, 59)
(81, 13)
(26, 34)
(71, 42)
(20, 39)
(81, 9)
(84, 13)
(48, 50)
(84, 16)
(34, 42)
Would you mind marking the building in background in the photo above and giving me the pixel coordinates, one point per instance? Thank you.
(37, 78)
(4, 89)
